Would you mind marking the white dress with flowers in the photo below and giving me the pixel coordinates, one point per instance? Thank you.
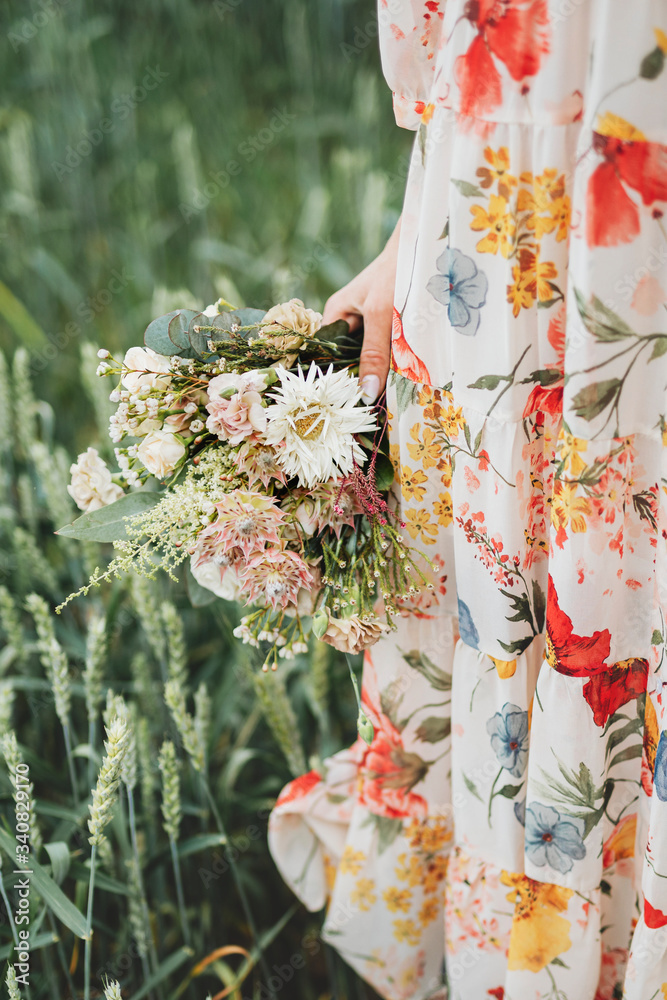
(506, 832)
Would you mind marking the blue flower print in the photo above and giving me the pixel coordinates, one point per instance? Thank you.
(508, 730)
(520, 811)
(467, 628)
(551, 840)
(660, 773)
(461, 287)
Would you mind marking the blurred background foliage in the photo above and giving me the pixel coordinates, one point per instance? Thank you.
(154, 156)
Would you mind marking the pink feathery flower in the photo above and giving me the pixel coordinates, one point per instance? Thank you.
(275, 576)
(245, 519)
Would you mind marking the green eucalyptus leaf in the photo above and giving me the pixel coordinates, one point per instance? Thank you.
(107, 524)
(157, 336)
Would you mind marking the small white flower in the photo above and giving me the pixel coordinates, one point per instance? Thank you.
(196, 426)
(313, 422)
(102, 368)
(103, 353)
(114, 396)
(190, 408)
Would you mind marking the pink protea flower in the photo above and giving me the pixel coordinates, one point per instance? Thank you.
(245, 519)
(275, 576)
(259, 464)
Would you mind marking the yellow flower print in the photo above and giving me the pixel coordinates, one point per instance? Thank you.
(418, 524)
(395, 456)
(407, 930)
(429, 911)
(505, 668)
(442, 508)
(453, 421)
(569, 450)
(436, 869)
(498, 220)
(412, 484)
(539, 932)
(409, 870)
(498, 170)
(568, 508)
(352, 861)
(664, 990)
(562, 212)
(661, 42)
(520, 295)
(427, 451)
(429, 835)
(446, 466)
(362, 895)
(397, 899)
(618, 128)
(538, 273)
(330, 872)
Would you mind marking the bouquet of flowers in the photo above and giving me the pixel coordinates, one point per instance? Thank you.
(245, 451)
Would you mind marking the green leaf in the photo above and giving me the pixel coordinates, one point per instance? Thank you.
(601, 321)
(406, 393)
(384, 473)
(467, 189)
(107, 524)
(630, 753)
(490, 382)
(334, 332)
(436, 676)
(510, 791)
(659, 347)
(103, 881)
(472, 787)
(652, 64)
(434, 728)
(545, 377)
(518, 646)
(177, 330)
(199, 596)
(445, 231)
(593, 399)
(539, 606)
(59, 856)
(164, 970)
(200, 842)
(388, 830)
(17, 316)
(559, 962)
(156, 335)
(632, 728)
(61, 907)
(40, 941)
(656, 638)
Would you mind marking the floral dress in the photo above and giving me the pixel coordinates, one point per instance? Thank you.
(506, 831)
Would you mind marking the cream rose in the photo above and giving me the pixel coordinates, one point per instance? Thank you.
(289, 324)
(220, 579)
(160, 452)
(92, 486)
(352, 635)
(144, 370)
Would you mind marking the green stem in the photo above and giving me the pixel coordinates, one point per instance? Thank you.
(142, 891)
(10, 915)
(179, 891)
(89, 927)
(240, 889)
(492, 796)
(70, 763)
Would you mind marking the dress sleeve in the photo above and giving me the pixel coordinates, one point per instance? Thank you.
(410, 33)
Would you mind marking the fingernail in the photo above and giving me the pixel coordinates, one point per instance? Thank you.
(370, 385)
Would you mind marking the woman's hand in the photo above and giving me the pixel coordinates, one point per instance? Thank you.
(370, 296)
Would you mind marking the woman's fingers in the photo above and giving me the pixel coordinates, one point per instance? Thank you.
(342, 305)
(376, 348)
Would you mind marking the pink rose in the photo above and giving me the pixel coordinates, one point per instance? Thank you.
(240, 417)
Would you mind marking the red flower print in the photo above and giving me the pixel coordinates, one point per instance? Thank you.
(570, 654)
(298, 788)
(403, 358)
(550, 397)
(622, 682)
(612, 215)
(514, 31)
(498, 993)
(652, 917)
(387, 773)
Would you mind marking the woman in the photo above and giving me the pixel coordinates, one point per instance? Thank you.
(510, 816)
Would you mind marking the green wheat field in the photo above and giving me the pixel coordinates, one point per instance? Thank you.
(157, 155)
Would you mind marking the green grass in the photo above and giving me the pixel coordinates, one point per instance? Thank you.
(280, 108)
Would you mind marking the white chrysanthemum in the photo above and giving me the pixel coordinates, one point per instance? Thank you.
(313, 422)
